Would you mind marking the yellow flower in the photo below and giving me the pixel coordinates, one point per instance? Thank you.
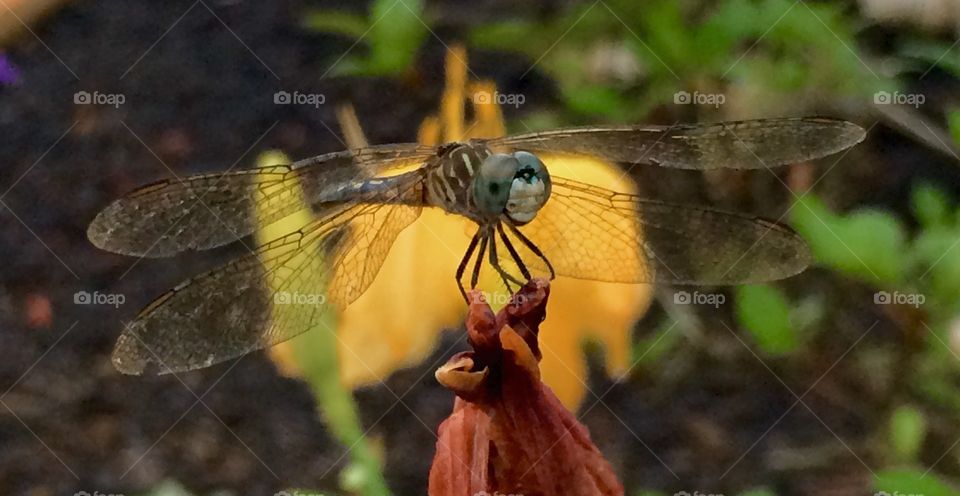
(396, 322)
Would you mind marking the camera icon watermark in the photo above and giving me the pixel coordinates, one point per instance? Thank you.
(98, 298)
(298, 298)
(698, 298)
(697, 98)
(896, 98)
(898, 298)
(486, 97)
(297, 98)
(96, 98)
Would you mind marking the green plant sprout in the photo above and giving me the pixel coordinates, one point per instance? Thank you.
(393, 33)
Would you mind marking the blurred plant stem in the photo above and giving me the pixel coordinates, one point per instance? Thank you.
(316, 354)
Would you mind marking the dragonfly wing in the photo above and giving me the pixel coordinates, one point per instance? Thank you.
(751, 144)
(587, 232)
(281, 290)
(209, 210)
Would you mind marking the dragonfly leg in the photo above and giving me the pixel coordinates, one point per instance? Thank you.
(505, 276)
(513, 251)
(463, 263)
(484, 238)
(533, 247)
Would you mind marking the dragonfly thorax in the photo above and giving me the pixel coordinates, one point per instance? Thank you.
(516, 185)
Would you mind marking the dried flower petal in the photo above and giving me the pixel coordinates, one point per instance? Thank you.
(508, 433)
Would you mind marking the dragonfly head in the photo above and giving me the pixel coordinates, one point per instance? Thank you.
(516, 184)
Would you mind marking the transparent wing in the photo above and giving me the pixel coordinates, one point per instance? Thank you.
(282, 290)
(588, 232)
(209, 210)
(751, 144)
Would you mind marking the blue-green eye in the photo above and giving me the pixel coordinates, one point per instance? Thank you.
(529, 189)
(491, 185)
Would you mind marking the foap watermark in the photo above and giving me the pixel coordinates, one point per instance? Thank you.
(496, 493)
(498, 298)
(98, 298)
(697, 98)
(296, 492)
(695, 493)
(298, 298)
(96, 98)
(486, 97)
(896, 493)
(896, 98)
(898, 298)
(698, 298)
(296, 98)
(95, 493)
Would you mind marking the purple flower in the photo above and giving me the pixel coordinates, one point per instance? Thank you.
(9, 75)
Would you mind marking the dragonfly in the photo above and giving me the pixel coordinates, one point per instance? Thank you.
(529, 223)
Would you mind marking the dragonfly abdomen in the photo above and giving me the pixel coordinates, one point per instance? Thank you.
(403, 189)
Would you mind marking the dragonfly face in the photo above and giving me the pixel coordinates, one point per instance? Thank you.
(541, 223)
(516, 185)
(529, 190)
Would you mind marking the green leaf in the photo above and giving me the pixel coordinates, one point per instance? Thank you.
(168, 488)
(932, 52)
(930, 205)
(911, 482)
(953, 121)
(868, 244)
(764, 311)
(907, 430)
(396, 37)
(597, 100)
(650, 349)
(512, 35)
(758, 492)
(394, 32)
(331, 21)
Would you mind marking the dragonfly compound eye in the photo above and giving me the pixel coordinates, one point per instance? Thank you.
(529, 189)
(492, 184)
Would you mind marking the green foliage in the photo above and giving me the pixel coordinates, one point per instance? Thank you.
(764, 311)
(867, 244)
(787, 47)
(930, 206)
(316, 355)
(936, 254)
(758, 492)
(907, 430)
(872, 245)
(167, 488)
(649, 350)
(911, 482)
(931, 53)
(393, 33)
(953, 121)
